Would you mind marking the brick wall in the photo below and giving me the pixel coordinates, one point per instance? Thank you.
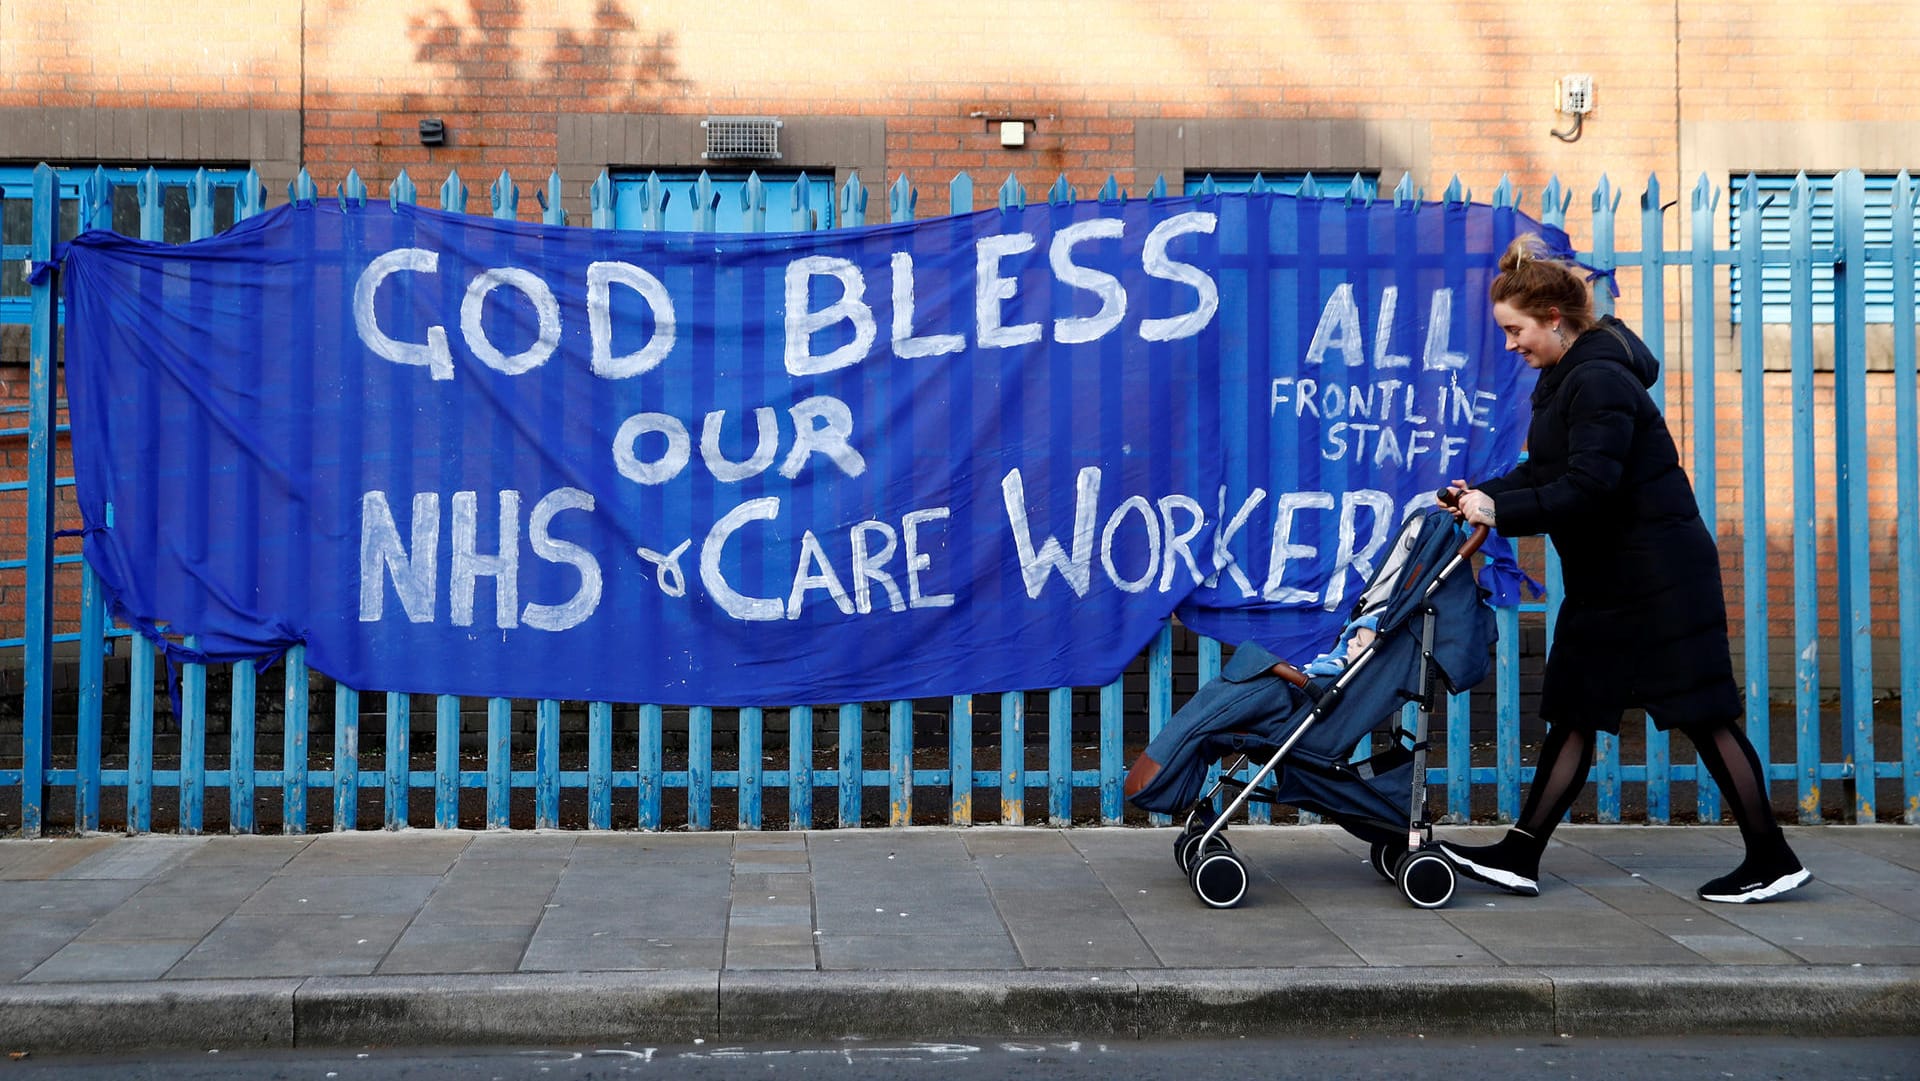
(500, 72)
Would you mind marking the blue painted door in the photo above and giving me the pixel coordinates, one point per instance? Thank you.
(730, 214)
(1328, 185)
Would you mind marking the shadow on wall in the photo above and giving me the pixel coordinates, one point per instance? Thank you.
(611, 62)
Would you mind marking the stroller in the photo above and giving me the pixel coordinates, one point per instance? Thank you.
(1421, 622)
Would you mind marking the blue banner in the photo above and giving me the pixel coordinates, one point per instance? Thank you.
(988, 452)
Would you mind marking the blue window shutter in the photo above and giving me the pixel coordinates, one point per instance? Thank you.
(1775, 224)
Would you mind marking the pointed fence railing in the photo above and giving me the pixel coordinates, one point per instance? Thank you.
(60, 759)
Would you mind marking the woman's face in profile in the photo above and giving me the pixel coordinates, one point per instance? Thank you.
(1532, 339)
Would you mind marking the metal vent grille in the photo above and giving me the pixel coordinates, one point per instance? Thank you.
(742, 137)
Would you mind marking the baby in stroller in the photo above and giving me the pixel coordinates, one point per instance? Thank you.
(1422, 623)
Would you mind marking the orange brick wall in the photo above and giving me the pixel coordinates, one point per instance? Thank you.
(1781, 60)
(157, 55)
(501, 71)
(1477, 73)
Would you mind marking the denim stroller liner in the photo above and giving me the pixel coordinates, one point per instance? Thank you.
(1249, 710)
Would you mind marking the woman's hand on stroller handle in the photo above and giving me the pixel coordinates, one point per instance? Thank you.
(1450, 497)
(1460, 498)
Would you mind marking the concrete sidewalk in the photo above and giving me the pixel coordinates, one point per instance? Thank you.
(554, 938)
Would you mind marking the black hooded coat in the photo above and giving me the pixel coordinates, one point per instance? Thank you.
(1644, 620)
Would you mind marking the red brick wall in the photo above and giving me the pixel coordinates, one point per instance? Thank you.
(501, 71)
(1775, 60)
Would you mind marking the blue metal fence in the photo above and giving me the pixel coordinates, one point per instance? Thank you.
(1046, 768)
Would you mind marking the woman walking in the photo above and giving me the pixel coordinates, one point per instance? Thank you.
(1643, 622)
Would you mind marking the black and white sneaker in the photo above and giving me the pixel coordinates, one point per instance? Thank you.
(1754, 881)
(1514, 867)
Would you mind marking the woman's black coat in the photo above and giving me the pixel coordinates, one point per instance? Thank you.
(1644, 620)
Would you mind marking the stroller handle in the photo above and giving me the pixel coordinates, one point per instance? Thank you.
(1446, 498)
(1289, 673)
(1473, 542)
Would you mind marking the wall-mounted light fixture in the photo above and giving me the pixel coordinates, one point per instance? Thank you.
(1011, 122)
(433, 132)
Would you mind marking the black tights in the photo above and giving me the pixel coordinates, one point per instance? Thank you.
(1565, 757)
(1727, 753)
(1567, 754)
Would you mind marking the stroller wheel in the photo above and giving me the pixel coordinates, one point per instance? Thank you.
(1186, 846)
(1181, 857)
(1383, 856)
(1426, 878)
(1219, 879)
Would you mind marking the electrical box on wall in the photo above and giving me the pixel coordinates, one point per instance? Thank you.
(1573, 94)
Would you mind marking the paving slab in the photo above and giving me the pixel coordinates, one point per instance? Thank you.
(429, 853)
(220, 885)
(85, 960)
(280, 944)
(1539, 938)
(135, 857)
(490, 900)
(1081, 930)
(1894, 845)
(785, 860)
(36, 859)
(30, 939)
(1274, 935)
(1389, 942)
(42, 897)
(336, 894)
(668, 906)
(457, 948)
(861, 892)
(271, 852)
(606, 951)
(651, 850)
(919, 952)
(751, 883)
(176, 914)
(537, 845)
(1733, 949)
(776, 956)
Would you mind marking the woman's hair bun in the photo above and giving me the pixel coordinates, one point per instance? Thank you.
(1526, 247)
